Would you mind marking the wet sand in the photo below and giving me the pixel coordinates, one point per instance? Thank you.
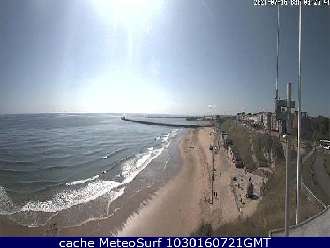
(177, 207)
(110, 217)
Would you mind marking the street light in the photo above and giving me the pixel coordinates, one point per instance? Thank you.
(299, 126)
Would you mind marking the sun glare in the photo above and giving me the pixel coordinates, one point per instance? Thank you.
(129, 13)
(135, 17)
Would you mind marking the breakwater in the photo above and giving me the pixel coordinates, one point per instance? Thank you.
(167, 124)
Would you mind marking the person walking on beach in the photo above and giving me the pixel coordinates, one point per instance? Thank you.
(249, 193)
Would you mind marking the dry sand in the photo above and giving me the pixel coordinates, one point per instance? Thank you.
(185, 203)
(175, 208)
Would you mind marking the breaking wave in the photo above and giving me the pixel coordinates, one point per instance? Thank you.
(6, 204)
(69, 198)
(83, 181)
(86, 190)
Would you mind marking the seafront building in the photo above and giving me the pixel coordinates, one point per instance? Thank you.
(270, 121)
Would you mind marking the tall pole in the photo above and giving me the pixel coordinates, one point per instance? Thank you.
(277, 52)
(277, 65)
(212, 183)
(288, 133)
(299, 128)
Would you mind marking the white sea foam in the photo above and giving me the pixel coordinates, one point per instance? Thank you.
(166, 138)
(83, 181)
(133, 167)
(6, 204)
(69, 198)
(93, 187)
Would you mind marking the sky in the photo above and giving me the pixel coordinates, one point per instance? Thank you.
(158, 56)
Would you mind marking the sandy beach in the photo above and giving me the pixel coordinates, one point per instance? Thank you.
(185, 202)
(175, 209)
(180, 205)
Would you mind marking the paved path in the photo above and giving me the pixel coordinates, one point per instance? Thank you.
(321, 175)
(318, 225)
(313, 227)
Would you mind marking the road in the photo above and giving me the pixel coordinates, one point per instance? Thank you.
(316, 226)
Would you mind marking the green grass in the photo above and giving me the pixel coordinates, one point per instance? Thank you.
(241, 140)
(270, 211)
(309, 177)
(326, 162)
(269, 214)
(244, 140)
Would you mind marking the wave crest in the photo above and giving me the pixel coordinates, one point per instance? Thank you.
(69, 198)
(83, 181)
(89, 189)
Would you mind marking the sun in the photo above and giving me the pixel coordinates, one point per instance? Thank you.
(134, 18)
(128, 13)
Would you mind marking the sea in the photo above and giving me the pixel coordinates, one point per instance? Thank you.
(77, 165)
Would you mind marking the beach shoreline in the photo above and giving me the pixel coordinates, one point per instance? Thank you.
(175, 209)
(180, 203)
(137, 193)
(185, 203)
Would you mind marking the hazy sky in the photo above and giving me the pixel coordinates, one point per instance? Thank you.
(173, 56)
